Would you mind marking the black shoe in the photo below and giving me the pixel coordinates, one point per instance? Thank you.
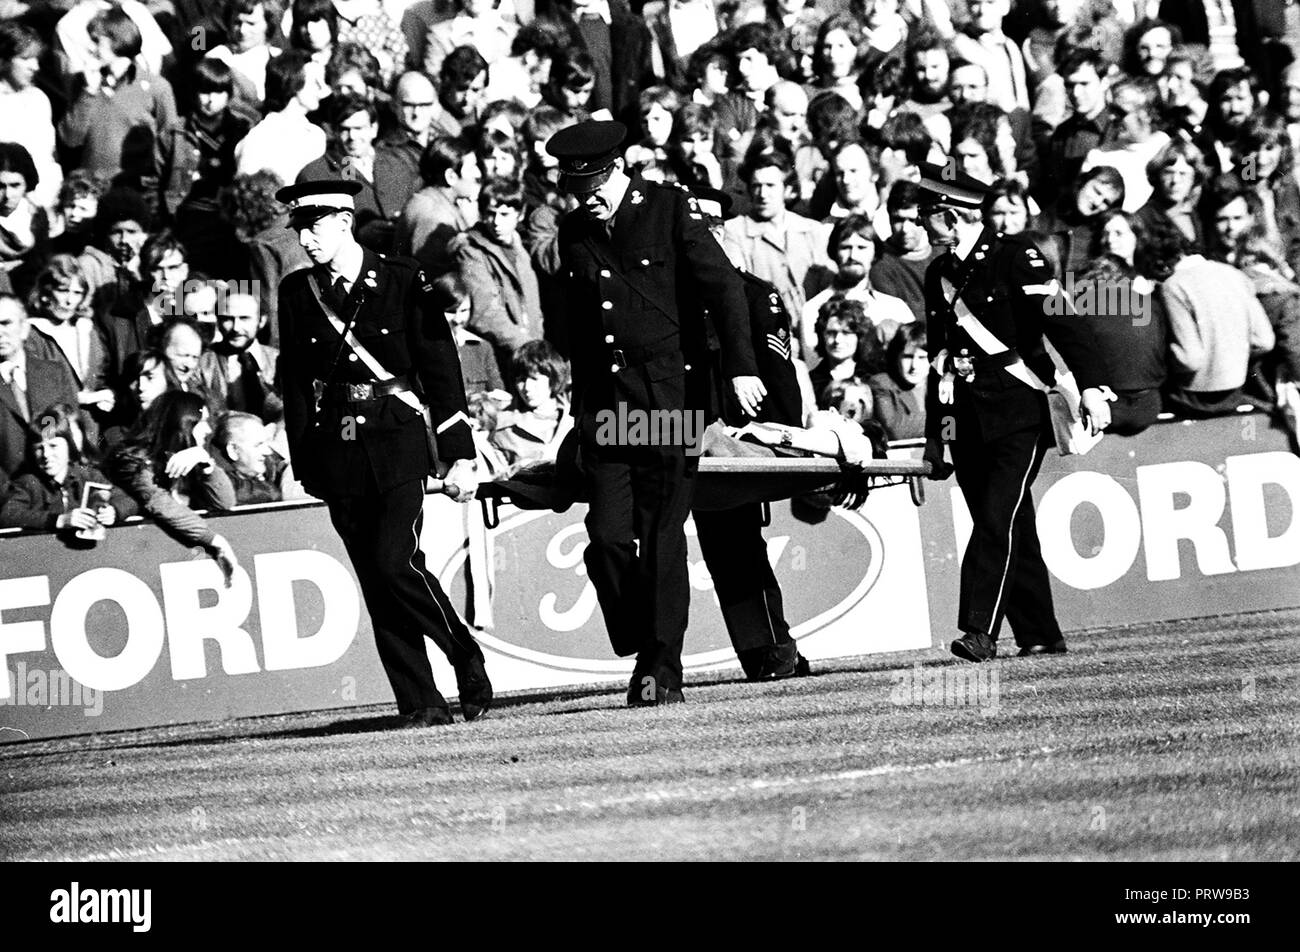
(474, 687)
(975, 647)
(1030, 651)
(639, 693)
(774, 663)
(426, 717)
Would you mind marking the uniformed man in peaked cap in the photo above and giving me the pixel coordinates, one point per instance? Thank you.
(989, 303)
(638, 261)
(373, 405)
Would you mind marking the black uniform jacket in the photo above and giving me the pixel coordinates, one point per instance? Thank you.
(770, 336)
(637, 299)
(1010, 287)
(335, 445)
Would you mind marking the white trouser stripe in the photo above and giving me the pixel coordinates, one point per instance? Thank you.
(1011, 528)
(415, 538)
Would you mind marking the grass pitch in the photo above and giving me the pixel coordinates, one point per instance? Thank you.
(1166, 742)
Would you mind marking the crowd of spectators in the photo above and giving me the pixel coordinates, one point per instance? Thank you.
(1146, 145)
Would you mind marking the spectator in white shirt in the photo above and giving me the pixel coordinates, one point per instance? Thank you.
(285, 141)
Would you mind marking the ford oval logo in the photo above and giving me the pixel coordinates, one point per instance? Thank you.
(545, 607)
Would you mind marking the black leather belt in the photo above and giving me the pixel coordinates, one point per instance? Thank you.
(372, 390)
(624, 357)
(992, 361)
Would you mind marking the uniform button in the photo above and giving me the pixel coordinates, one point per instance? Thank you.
(384, 331)
(644, 262)
(990, 297)
(609, 338)
(688, 366)
(604, 272)
(361, 419)
(313, 340)
(613, 368)
(607, 305)
(352, 357)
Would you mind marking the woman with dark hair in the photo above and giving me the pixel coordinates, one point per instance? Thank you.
(26, 116)
(1128, 322)
(50, 493)
(196, 160)
(883, 84)
(836, 55)
(1176, 174)
(649, 155)
(315, 28)
(118, 109)
(846, 344)
(286, 140)
(537, 424)
(24, 226)
(165, 467)
(251, 26)
(692, 153)
(1266, 159)
(1006, 207)
(1077, 217)
(899, 392)
(144, 377)
(499, 153)
(976, 130)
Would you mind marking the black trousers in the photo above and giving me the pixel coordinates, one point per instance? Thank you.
(748, 594)
(641, 494)
(381, 532)
(1002, 573)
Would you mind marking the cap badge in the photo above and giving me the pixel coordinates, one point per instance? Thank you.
(637, 197)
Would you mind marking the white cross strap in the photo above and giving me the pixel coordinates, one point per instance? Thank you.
(358, 348)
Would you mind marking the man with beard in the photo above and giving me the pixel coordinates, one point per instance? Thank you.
(239, 371)
(1234, 95)
(852, 245)
(359, 417)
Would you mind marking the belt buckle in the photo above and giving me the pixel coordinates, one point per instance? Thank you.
(620, 361)
(360, 391)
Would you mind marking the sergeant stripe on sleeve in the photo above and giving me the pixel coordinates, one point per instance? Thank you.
(782, 347)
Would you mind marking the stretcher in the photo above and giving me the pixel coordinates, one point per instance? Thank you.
(725, 482)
